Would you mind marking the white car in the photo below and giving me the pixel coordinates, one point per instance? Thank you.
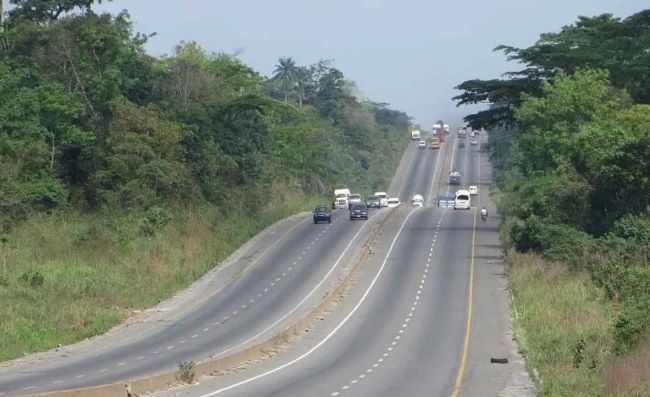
(473, 190)
(462, 200)
(354, 198)
(422, 145)
(393, 202)
(474, 142)
(418, 200)
(383, 198)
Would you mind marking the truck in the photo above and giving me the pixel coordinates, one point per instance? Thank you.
(341, 198)
(454, 177)
(439, 130)
(446, 128)
(415, 134)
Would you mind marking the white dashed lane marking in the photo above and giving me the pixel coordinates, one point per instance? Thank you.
(404, 324)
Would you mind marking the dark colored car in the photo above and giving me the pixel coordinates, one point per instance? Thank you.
(373, 202)
(461, 145)
(446, 201)
(454, 180)
(358, 211)
(322, 213)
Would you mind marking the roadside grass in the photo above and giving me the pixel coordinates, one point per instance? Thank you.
(564, 327)
(68, 276)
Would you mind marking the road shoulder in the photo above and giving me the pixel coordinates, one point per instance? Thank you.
(492, 333)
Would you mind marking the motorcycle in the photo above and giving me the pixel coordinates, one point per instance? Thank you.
(484, 216)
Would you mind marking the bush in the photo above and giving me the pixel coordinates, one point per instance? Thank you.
(34, 278)
(155, 218)
(557, 242)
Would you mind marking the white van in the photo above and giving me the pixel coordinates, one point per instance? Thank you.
(383, 198)
(462, 200)
(418, 200)
(341, 198)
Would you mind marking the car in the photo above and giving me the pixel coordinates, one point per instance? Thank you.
(435, 144)
(461, 145)
(446, 200)
(474, 142)
(373, 202)
(393, 202)
(462, 200)
(472, 133)
(422, 145)
(473, 190)
(383, 198)
(358, 211)
(353, 199)
(418, 200)
(322, 213)
(454, 177)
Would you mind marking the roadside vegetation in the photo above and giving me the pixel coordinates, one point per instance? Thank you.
(570, 145)
(126, 177)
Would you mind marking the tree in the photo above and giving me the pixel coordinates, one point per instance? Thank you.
(286, 72)
(47, 10)
(601, 42)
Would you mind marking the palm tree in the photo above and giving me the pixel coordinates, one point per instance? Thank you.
(286, 72)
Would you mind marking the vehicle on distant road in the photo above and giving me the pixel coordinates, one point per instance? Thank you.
(353, 199)
(454, 177)
(462, 133)
(393, 202)
(418, 200)
(446, 200)
(415, 134)
(473, 190)
(358, 211)
(422, 145)
(435, 144)
(474, 142)
(322, 213)
(373, 202)
(341, 198)
(383, 198)
(462, 200)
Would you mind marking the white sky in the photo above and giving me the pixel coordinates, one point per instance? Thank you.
(409, 53)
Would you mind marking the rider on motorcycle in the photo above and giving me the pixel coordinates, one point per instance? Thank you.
(484, 213)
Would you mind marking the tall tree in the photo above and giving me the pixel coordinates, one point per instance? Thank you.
(600, 42)
(48, 10)
(286, 72)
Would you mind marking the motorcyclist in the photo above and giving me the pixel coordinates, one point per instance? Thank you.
(484, 213)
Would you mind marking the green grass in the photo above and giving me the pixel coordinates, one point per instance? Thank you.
(564, 329)
(96, 269)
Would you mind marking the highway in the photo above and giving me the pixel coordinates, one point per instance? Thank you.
(405, 328)
(290, 276)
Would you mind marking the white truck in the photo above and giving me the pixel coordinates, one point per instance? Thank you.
(446, 128)
(415, 134)
(341, 198)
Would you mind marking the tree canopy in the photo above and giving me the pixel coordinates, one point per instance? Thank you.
(89, 121)
(601, 42)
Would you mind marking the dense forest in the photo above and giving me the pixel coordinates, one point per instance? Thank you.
(125, 177)
(570, 144)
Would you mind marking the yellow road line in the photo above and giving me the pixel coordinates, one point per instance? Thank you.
(470, 295)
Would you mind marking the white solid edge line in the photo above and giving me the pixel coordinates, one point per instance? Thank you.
(334, 331)
(290, 312)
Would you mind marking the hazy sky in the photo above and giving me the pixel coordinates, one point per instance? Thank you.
(409, 53)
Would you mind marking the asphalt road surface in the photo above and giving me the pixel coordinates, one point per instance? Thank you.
(283, 283)
(408, 326)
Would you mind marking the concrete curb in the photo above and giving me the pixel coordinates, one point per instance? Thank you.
(131, 388)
